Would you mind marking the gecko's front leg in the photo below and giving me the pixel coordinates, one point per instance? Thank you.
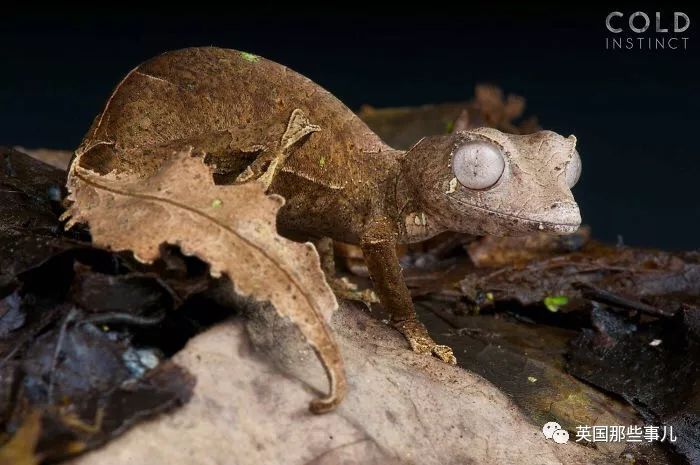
(379, 248)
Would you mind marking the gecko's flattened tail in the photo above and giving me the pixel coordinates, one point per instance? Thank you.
(338, 386)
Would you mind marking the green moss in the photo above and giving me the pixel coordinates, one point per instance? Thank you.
(322, 161)
(249, 57)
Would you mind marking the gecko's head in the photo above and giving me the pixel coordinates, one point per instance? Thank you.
(483, 181)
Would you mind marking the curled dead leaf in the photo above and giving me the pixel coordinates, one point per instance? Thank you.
(232, 228)
(21, 448)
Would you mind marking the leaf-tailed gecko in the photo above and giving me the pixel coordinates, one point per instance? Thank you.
(256, 119)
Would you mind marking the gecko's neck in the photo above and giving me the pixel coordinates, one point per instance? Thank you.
(414, 221)
(404, 190)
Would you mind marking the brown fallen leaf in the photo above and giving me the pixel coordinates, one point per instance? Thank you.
(233, 228)
(624, 277)
(401, 127)
(495, 252)
(496, 109)
(57, 158)
(21, 448)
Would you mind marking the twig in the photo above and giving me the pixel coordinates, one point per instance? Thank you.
(601, 295)
(57, 351)
(127, 318)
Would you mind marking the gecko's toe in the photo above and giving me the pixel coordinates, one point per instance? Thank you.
(421, 342)
(428, 347)
(367, 296)
(345, 289)
(421, 345)
(444, 353)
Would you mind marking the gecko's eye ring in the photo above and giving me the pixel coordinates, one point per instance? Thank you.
(573, 170)
(478, 164)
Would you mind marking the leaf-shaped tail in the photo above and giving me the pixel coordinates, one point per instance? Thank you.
(329, 355)
(233, 228)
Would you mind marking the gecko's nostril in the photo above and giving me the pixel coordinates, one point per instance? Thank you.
(564, 205)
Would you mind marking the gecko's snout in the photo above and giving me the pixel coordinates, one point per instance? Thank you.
(559, 218)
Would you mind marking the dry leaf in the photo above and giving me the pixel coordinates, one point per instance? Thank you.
(495, 252)
(233, 228)
(57, 158)
(21, 448)
(401, 127)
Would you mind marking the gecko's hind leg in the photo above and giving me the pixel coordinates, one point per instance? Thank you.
(259, 170)
(268, 164)
(342, 287)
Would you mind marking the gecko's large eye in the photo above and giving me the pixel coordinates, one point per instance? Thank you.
(478, 164)
(573, 170)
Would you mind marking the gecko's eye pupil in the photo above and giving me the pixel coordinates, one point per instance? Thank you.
(478, 164)
(573, 170)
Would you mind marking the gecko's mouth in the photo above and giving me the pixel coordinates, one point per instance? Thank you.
(559, 228)
(566, 210)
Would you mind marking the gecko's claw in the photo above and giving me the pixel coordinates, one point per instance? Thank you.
(421, 343)
(266, 166)
(444, 353)
(262, 169)
(345, 289)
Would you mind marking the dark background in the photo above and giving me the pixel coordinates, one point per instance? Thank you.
(636, 113)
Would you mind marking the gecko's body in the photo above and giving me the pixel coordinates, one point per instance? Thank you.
(257, 119)
(331, 181)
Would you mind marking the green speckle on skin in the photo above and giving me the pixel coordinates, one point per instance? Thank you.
(532, 379)
(249, 57)
(216, 203)
(554, 302)
(322, 161)
(449, 127)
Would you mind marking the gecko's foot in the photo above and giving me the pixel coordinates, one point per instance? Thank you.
(263, 169)
(344, 289)
(266, 166)
(444, 353)
(269, 175)
(421, 342)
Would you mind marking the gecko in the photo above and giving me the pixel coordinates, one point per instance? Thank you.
(259, 120)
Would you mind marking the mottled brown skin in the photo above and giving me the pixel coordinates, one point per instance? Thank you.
(339, 179)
